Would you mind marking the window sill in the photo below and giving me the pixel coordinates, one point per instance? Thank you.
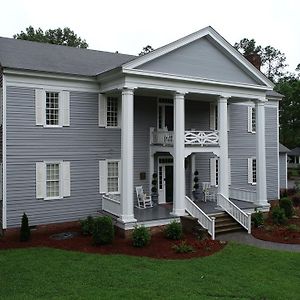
(113, 127)
(52, 126)
(53, 198)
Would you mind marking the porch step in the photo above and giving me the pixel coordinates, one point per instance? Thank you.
(225, 223)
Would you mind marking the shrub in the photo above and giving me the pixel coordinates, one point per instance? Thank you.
(257, 219)
(25, 229)
(141, 236)
(287, 205)
(296, 200)
(87, 225)
(293, 228)
(103, 231)
(173, 230)
(183, 247)
(278, 215)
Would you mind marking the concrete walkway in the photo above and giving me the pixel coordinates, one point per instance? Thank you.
(245, 238)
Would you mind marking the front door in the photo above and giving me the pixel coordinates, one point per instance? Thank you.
(169, 183)
(165, 180)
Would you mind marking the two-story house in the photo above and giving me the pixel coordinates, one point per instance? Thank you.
(82, 128)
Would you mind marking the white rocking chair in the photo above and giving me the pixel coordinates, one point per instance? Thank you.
(209, 193)
(143, 201)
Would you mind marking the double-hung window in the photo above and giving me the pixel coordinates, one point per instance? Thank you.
(52, 180)
(52, 108)
(251, 119)
(109, 111)
(252, 170)
(112, 112)
(109, 176)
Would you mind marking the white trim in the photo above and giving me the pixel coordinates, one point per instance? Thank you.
(250, 170)
(250, 119)
(213, 171)
(118, 161)
(4, 212)
(278, 155)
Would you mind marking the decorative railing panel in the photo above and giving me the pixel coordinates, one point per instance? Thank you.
(204, 220)
(111, 203)
(242, 194)
(240, 216)
(164, 138)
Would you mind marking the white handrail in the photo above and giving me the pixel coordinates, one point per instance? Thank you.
(234, 211)
(111, 203)
(242, 194)
(204, 220)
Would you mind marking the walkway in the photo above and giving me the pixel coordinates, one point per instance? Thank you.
(245, 238)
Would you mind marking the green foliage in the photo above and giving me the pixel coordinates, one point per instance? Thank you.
(87, 225)
(25, 229)
(183, 247)
(296, 200)
(293, 228)
(173, 231)
(196, 180)
(146, 50)
(257, 219)
(140, 236)
(287, 205)
(278, 215)
(103, 231)
(154, 183)
(57, 36)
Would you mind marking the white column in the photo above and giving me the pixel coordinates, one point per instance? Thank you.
(223, 142)
(127, 193)
(179, 172)
(261, 181)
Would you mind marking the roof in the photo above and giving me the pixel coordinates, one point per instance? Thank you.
(283, 149)
(35, 56)
(295, 151)
(274, 94)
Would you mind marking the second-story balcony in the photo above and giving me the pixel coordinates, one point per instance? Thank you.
(191, 137)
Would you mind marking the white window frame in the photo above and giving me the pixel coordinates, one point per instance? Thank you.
(117, 99)
(215, 167)
(161, 107)
(103, 111)
(59, 196)
(251, 119)
(251, 171)
(103, 176)
(59, 109)
(118, 162)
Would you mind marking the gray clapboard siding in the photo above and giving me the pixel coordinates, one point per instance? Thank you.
(283, 170)
(200, 58)
(83, 144)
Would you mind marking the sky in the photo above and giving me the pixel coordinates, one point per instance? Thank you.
(128, 26)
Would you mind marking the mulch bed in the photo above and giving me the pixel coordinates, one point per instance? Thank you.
(159, 247)
(279, 234)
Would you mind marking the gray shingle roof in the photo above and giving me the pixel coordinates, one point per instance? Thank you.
(283, 149)
(295, 152)
(274, 94)
(26, 55)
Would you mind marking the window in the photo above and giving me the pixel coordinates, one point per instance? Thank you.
(252, 170)
(112, 112)
(52, 108)
(251, 120)
(214, 171)
(52, 180)
(113, 176)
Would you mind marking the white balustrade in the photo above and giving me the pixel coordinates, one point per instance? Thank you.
(111, 203)
(234, 211)
(203, 219)
(191, 137)
(242, 194)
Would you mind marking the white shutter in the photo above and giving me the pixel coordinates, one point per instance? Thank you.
(119, 112)
(213, 171)
(102, 176)
(250, 171)
(212, 116)
(229, 171)
(119, 175)
(250, 119)
(102, 110)
(40, 107)
(66, 179)
(65, 108)
(40, 180)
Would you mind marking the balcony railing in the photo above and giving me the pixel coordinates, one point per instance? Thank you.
(191, 137)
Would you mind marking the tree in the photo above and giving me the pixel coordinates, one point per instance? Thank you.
(273, 60)
(146, 50)
(25, 229)
(58, 36)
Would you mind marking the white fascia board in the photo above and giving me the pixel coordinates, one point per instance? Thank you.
(191, 38)
(50, 80)
(4, 211)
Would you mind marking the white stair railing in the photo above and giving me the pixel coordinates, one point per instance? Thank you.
(242, 194)
(234, 211)
(111, 204)
(203, 219)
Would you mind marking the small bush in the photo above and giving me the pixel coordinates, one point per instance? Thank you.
(257, 219)
(278, 215)
(141, 236)
(25, 229)
(103, 231)
(287, 205)
(87, 225)
(183, 247)
(173, 231)
(293, 228)
(296, 200)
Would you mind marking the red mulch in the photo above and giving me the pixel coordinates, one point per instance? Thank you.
(279, 234)
(159, 247)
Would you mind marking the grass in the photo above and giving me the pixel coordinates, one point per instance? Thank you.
(237, 272)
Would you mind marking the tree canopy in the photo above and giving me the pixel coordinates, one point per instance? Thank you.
(146, 50)
(58, 36)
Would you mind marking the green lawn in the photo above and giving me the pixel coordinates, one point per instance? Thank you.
(237, 272)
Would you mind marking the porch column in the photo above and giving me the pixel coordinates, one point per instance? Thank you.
(261, 181)
(127, 193)
(223, 142)
(179, 172)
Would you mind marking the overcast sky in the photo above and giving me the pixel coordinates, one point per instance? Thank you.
(129, 25)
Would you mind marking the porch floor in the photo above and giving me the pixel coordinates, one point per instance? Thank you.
(158, 212)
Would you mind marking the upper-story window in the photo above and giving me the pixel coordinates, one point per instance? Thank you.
(109, 111)
(52, 108)
(112, 112)
(165, 116)
(251, 119)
